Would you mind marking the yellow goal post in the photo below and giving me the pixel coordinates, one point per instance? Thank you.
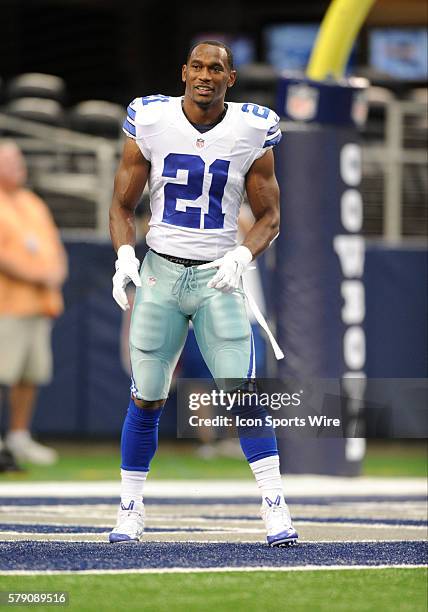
(335, 38)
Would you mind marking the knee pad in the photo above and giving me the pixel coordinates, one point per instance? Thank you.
(151, 377)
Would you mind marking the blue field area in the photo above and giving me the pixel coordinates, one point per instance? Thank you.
(330, 519)
(63, 529)
(37, 528)
(63, 533)
(208, 501)
(67, 556)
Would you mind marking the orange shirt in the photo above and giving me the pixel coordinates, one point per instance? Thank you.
(32, 258)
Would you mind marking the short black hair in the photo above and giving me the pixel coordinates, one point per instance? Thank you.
(214, 43)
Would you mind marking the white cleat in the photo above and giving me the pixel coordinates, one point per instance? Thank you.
(130, 523)
(277, 519)
(26, 450)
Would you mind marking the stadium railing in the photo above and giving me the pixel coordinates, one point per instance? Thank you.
(74, 171)
(49, 152)
(395, 177)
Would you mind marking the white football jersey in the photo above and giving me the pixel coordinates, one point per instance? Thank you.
(197, 180)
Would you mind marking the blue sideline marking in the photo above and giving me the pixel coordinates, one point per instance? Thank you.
(75, 556)
(43, 528)
(205, 501)
(330, 519)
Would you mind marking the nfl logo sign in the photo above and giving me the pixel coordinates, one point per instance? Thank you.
(200, 143)
(151, 281)
(359, 108)
(302, 102)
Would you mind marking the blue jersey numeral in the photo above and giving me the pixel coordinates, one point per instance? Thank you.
(259, 111)
(158, 98)
(192, 190)
(215, 217)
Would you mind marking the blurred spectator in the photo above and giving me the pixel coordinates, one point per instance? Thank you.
(33, 267)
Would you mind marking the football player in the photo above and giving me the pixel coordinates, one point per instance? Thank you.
(198, 155)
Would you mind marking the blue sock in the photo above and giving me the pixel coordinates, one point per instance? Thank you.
(139, 437)
(257, 441)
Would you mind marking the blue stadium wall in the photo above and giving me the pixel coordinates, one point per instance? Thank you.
(89, 394)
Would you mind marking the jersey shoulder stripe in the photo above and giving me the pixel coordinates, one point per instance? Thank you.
(273, 140)
(273, 129)
(146, 116)
(265, 121)
(131, 112)
(129, 128)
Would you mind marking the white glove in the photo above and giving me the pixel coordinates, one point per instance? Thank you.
(230, 269)
(126, 270)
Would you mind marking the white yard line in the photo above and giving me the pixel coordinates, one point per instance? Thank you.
(182, 570)
(294, 485)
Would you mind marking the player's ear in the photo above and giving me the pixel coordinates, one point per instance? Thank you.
(232, 78)
(183, 73)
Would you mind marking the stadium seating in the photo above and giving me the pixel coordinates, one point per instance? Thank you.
(97, 117)
(55, 161)
(37, 109)
(37, 85)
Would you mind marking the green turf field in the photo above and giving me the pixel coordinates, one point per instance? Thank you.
(101, 462)
(308, 591)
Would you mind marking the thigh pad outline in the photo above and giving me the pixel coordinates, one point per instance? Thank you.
(227, 317)
(148, 326)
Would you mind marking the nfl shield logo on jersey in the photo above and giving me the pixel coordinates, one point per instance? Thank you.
(151, 281)
(200, 143)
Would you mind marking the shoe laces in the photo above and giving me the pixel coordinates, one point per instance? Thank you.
(128, 518)
(276, 517)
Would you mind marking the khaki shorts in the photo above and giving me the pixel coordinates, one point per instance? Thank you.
(25, 350)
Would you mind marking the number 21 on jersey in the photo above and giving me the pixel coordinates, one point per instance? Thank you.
(194, 216)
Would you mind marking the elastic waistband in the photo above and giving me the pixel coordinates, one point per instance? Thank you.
(181, 260)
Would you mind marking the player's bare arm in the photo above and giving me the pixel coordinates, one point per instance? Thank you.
(263, 196)
(129, 183)
(130, 180)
